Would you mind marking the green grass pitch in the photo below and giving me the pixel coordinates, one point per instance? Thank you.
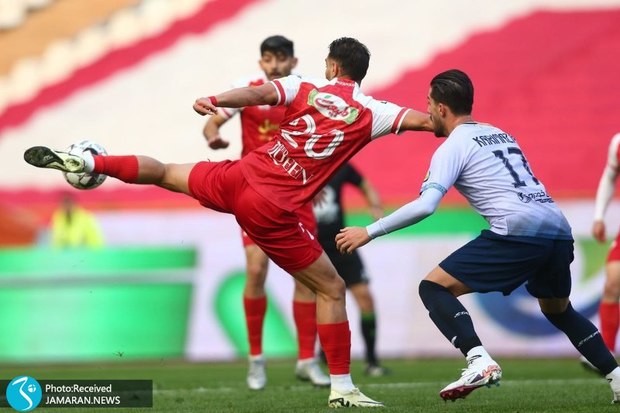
(529, 385)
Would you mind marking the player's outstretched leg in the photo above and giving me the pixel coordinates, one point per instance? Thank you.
(43, 157)
(130, 169)
(586, 339)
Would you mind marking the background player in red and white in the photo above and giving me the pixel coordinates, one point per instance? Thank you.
(608, 311)
(325, 124)
(259, 125)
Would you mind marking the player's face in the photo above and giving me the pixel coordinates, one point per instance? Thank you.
(330, 69)
(277, 65)
(434, 109)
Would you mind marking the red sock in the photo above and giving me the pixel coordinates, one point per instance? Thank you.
(304, 314)
(255, 309)
(336, 343)
(610, 320)
(124, 168)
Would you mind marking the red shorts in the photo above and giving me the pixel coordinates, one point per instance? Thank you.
(306, 216)
(614, 251)
(281, 234)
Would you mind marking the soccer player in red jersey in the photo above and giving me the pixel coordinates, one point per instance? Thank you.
(259, 125)
(326, 122)
(608, 311)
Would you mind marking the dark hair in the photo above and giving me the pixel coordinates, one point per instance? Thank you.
(454, 89)
(277, 45)
(352, 56)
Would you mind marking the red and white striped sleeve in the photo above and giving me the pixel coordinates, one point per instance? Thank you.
(386, 117)
(287, 88)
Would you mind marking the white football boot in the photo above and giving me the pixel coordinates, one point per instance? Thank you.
(309, 370)
(353, 398)
(257, 378)
(480, 371)
(614, 382)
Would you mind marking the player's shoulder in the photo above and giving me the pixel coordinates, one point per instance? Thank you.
(313, 81)
(471, 132)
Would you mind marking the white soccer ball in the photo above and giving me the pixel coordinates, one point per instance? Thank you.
(85, 180)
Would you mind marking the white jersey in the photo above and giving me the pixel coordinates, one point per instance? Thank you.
(486, 165)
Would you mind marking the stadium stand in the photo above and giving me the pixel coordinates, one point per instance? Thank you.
(51, 46)
(14, 12)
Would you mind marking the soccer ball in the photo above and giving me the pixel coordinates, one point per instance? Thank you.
(84, 180)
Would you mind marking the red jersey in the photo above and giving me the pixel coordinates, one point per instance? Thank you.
(325, 124)
(259, 124)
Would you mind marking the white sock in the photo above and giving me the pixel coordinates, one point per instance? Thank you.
(258, 357)
(478, 351)
(341, 383)
(89, 161)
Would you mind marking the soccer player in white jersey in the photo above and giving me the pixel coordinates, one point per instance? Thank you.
(326, 122)
(608, 310)
(529, 240)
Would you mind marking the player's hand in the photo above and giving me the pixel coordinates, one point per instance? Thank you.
(204, 106)
(218, 143)
(351, 238)
(598, 231)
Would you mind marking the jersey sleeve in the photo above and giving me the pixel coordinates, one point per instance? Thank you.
(406, 215)
(228, 113)
(607, 182)
(387, 117)
(287, 88)
(446, 166)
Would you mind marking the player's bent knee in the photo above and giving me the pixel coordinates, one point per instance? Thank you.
(333, 289)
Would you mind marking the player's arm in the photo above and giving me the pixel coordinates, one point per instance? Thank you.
(415, 120)
(237, 98)
(211, 132)
(351, 238)
(446, 166)
(605, 191)
(372, 198)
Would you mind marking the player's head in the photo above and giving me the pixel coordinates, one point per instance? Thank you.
(277, 57)
(451, 95)
(347, 57)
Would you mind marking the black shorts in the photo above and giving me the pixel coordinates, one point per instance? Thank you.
(493, 262)
(349, 267)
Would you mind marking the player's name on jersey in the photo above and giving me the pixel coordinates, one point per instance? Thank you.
(279, 154)
(493, 139)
